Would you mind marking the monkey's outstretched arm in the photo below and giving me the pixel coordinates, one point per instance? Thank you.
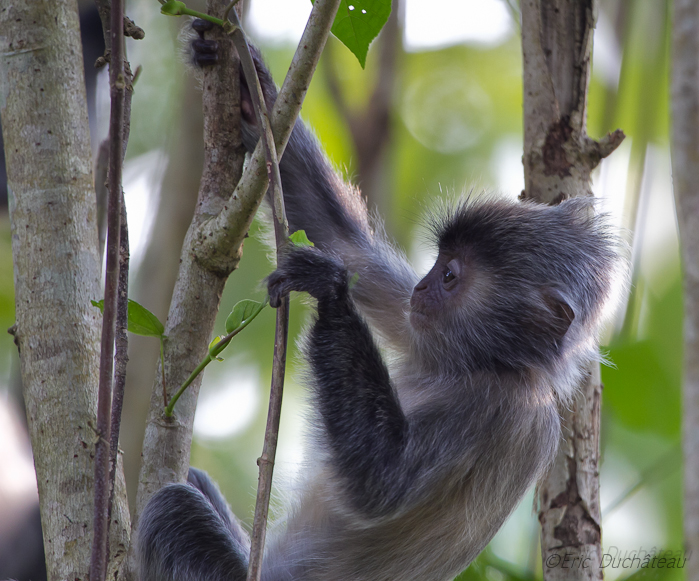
(382, 457)
(333, 215)
(187, 533)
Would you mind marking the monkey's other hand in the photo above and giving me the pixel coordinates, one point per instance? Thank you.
(204, 52)
(308, 270)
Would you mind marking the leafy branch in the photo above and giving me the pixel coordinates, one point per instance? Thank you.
(241, 316)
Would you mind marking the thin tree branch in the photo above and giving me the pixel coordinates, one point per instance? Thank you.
(128, 27)
(98, 562)
(121, 357)
(266, 460)
(212, 248)
(266, 135)
(269, 450)
(113, 560)
(197, 291)
(228, 228)
(102, 193)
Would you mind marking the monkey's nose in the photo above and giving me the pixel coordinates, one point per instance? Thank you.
(421, 286)
(416, 299)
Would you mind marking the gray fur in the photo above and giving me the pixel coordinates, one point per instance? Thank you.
(416, 467)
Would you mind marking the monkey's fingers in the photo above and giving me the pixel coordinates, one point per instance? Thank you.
(201, 26)
(204, 52)
(277, 288)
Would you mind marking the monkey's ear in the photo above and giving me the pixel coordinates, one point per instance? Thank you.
(561, 314)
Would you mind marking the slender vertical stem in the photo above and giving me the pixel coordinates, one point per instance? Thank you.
(121, 357)
(281, 231)
(269, 450)
(98, 563)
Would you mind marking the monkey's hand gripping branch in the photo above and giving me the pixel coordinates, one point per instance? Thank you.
(308, 270)
(366, 428)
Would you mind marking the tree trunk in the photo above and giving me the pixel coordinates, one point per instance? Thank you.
(685, 173)
(558, 160)
(56, 271)
(198, 289)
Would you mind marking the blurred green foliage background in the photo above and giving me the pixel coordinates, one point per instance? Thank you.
(455, 126)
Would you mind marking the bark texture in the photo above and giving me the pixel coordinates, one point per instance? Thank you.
(685, 173)
(198, 289)
(56, 271)
(556, 48)
(161, 263)
(558, 160)
(213, 244)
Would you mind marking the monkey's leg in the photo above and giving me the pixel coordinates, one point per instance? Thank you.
(187, 533)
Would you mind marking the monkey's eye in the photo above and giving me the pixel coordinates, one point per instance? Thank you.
(451, 273)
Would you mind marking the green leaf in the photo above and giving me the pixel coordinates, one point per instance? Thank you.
(143, 322)
(173, 8)
(299, 238)
(358, 22)
(140, 322)
(354, 279)
(242, 313)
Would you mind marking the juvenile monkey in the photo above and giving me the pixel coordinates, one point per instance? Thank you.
(414, 466)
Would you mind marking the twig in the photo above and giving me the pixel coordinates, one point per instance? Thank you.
(128, 26)
(197, 290)
(211, 249)
(121, 357)
(269, 450)
(263, 122)
(98, 562)
(213, 353)
(281, 231)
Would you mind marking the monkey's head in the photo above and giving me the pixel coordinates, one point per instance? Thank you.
(517, 285)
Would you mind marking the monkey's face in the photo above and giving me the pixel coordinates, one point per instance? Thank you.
(451, 284)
